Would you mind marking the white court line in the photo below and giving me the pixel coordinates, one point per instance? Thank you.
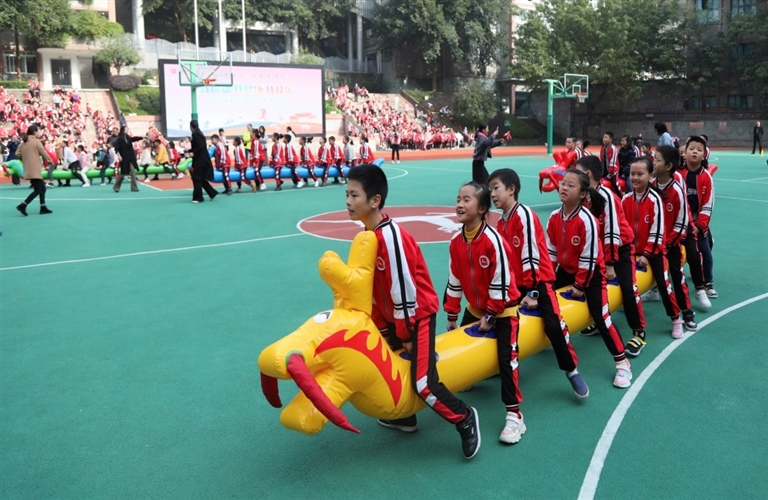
(592, 477)
(717, 196)
(150, 252)
(452, 170)
(756, 181)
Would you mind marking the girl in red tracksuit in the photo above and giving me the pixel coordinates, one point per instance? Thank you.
(175, 158)
(324, 159)
(222, 161)
(533, 271)
(292, 161)
(366, 153)
(479, 269)
(644, 209)
(277, 158)
(677, 217)
(574, 245)
(258, 157)
(241, 164)
(337, 158)
(307, 159)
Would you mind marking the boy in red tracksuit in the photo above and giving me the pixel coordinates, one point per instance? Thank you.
(478, 268)
(307, 159)
(258, 157)
(241, 164)
(277, 158)
(533, 271)
(324, 159)
(405, 305)
(292, 160)
(645, 207)
(609, 154)
(574, 245)
(676, 221)
(618, 250)
(337, 158)
(366, 153)
(222, 161)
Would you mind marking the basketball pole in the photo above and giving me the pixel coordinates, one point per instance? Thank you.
(550, 114)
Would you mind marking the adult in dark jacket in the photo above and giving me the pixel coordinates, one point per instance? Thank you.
(127, 157)
(483, 146)
(757, 137)
(202, 168)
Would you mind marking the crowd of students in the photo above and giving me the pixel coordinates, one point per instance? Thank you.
(595, 237)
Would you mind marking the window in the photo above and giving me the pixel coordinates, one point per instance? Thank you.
(707, 11)
(740, 54)
(740, 101)
(739, 7)
(705, 102)
(28, 63)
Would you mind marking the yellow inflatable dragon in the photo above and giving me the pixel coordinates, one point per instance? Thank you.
(339, 355)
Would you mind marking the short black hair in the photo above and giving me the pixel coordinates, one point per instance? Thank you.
(645, 161)
(508, 177)
(609, 134)
(373, 179)
(670, 154)
(695, 138)
(592, 164)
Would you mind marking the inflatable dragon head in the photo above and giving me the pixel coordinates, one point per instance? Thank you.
(338, 354)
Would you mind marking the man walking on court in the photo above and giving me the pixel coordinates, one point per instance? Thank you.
(757, 137)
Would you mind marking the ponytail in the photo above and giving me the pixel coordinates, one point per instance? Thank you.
(596, 202)
(31, 131)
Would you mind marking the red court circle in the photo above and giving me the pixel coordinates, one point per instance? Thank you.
(427, 224)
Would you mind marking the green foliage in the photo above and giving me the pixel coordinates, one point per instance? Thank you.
(330, 107)
(518, 128)
(475, 103)
(618, 44)
(421, 95)
(306, 58)
(753, 28)
(124, 82)
(47, 23)
(13, 84)
(92, 25)
(142, 101)
(118, 51)
(470, 31)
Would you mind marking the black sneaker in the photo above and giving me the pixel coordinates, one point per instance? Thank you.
(469, 428)
(407, 424)
(589, 331)
(22, 208)
(689, 321)
(635, 345)
(44, 210)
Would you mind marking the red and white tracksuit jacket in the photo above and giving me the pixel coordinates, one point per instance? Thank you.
(337, 154)
(402, 288)
(614, 229)
(529, 262)
(676, 214)
(174, 156)
(307, 158)
(222, 156)
(258, 151)
(646, 213)
(278, 155)
(239, 154)
(573, 243)
(480, 270)
(324, 155)
(705, 192)
(608, 156)
(366, 153)
(291, 159)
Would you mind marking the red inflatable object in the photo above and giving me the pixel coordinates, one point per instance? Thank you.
(550, 178)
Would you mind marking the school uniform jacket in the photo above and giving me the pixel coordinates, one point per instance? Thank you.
(258, 151)
(480, 270)
(613, 227)
(529, 261)
(608, 156)
(704, 190)
(307, 158)
(676, 213)
(573, 243)
(290, 155)
(646, 214)
(324, 155)
(278, 154)
(221, 156)
(240, 161)
(402, 289)
(337, 154)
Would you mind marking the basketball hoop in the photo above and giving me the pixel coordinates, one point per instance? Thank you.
(208, 81)
(582, 96)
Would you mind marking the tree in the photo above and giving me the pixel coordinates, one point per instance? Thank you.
(470, 31)
(752, 29)
(475, 103)
(91, 25)
(620, 44)
(118, 51)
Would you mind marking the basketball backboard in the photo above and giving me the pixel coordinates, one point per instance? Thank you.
(204, 69)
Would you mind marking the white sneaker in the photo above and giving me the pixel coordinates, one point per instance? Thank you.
(701, 296)
(317, 183)
(51, 184)
(301, 184)
(623, 377)
(86, 185)
(263, 187)
(146, 180)
(514, 428)
(343, 181)
(180, 176)
(711, 292)
(651, 295)
(677, 328)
